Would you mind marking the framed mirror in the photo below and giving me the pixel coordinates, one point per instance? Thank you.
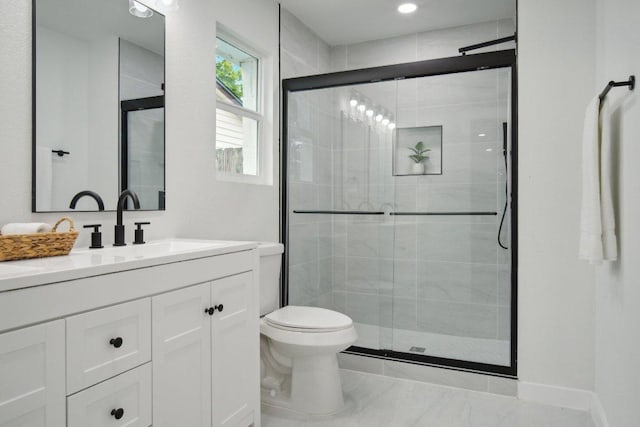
(98, 103)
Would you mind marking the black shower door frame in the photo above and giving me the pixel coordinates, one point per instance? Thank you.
(434, 67)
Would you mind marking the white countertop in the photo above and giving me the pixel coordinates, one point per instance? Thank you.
(82, 263)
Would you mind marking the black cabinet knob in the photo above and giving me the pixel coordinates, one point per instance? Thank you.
(211, 310)
(117, 413)
(116, 342)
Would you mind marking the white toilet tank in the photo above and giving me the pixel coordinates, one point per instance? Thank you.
(270, 262)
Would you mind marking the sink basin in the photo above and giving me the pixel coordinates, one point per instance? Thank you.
(91, 262)
(155, 249)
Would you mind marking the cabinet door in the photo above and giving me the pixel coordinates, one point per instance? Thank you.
(235, 351)
(32, 380)
(181, 354)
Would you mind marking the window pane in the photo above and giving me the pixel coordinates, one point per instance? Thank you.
(236, 76)
(236, 143)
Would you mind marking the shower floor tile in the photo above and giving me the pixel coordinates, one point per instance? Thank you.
(483, 350)
(377, 401)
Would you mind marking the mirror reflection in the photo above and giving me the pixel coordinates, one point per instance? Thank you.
(99, 103)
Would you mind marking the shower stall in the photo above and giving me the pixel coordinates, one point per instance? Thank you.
(399, 207)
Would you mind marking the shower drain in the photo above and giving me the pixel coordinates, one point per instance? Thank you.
(418, 349)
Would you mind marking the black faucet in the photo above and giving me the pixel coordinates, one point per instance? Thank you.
(81, 194)
(119, 228)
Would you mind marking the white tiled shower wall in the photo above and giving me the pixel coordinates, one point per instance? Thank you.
(416, 269)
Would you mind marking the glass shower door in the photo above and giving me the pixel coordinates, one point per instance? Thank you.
(451, 281)
(339, 183)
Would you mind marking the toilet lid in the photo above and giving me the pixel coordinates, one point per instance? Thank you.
(308, 318)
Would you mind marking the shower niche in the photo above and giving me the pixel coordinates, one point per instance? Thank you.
(423, 261)
(417, 151)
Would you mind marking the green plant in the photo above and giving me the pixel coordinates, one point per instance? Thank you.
(419, 152)
(230, 75)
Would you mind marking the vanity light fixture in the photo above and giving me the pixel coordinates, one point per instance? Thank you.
(353, 102)
(407, 8)
(392, 126)
(139, 10)
(379, 118)
(362, 107)
(385, 121)
(369, 113)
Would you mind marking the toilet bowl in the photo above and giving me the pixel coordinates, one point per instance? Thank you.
(299, 347)
(300, 365)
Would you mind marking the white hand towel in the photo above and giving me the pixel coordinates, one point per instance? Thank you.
(591, 221)
(597, 224)
(25, 228)
(609, 240)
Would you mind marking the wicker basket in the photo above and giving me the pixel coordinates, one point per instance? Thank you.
(38, 245)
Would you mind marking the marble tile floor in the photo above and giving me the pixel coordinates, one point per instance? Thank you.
(377, 401)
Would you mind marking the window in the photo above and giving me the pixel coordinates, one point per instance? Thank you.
(238, 113)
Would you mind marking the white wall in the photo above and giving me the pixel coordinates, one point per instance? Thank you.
(618, 284)
(63, 79)
(197, 205)
(556, 291)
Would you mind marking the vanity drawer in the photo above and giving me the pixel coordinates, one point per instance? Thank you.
(104, 343)
(121, 401)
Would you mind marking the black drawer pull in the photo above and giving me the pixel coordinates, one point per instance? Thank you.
(218, 307)
(116, 342)
(117, 413)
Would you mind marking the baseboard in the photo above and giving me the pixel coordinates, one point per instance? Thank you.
(597, 412)
(564, 397)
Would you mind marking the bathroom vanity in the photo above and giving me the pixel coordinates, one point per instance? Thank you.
(164, 334)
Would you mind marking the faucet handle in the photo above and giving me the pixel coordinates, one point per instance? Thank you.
(96, 236)
(139, 233)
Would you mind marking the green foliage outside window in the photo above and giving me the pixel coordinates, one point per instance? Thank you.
(230, 75)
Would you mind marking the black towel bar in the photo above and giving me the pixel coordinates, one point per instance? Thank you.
(631, 83)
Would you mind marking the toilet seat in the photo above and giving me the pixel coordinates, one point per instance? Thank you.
(308, 320)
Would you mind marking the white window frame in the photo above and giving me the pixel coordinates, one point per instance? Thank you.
(257, 115)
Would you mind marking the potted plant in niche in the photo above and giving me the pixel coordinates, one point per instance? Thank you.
(420, 154)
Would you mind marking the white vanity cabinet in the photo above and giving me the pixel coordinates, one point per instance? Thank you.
(167, 344)
(205, 342)
(32, 392)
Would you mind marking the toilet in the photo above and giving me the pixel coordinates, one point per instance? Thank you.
(298, 346)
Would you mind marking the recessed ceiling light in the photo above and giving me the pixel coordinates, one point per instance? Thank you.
(407, 8)
(353, 102)
(482, 135)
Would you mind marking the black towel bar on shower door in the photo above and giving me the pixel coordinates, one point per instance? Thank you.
(443, 213)
(631, 83)
(339, 212)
